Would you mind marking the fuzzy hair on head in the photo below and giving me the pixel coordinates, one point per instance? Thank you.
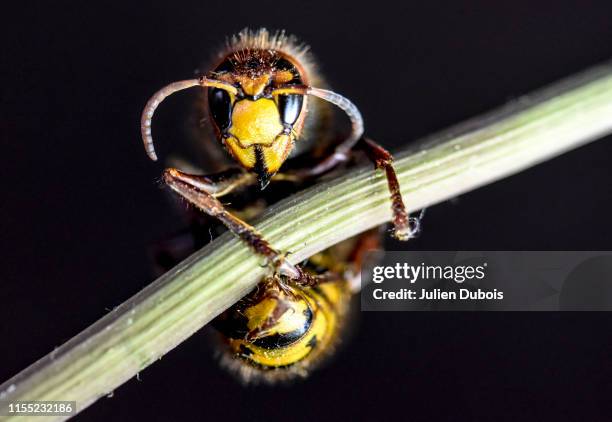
(248, 40)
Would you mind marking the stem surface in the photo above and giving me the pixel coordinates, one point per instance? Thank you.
(527, 131)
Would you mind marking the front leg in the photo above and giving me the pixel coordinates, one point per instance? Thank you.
(383, 160)
(201, 191)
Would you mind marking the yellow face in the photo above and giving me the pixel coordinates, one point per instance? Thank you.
(256, 136)
(257, 124)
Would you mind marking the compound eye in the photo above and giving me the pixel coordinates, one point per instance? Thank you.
(220, 107)
(290, 107)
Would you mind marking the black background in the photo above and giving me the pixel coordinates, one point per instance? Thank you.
(80, 203)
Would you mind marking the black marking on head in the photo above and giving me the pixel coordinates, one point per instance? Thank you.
(225, 66)
(253, 63)
(284, 64)
(263, 175)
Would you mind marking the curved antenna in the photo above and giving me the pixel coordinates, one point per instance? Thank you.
(339, 101)
(351, 111)
(149, 110)
(159, 96)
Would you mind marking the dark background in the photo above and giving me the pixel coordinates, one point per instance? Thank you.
(80, 203)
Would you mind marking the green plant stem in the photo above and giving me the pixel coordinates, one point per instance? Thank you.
(527, 131)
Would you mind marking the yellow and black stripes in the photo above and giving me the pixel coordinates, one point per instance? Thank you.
(266, 344)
